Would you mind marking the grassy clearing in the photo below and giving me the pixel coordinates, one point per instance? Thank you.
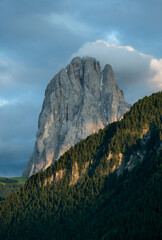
(20, 180)
(10, 185)
(13, 180)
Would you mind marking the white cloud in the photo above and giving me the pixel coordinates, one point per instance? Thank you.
(136, 73)
(112, 38)
(156, 80)
(3, 102)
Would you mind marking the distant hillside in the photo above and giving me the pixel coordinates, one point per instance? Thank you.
(108, 186)
(10, 185)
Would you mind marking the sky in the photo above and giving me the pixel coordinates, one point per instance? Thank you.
(38, 38)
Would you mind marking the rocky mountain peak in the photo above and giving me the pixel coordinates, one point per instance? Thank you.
(109, 74)
(79, 100)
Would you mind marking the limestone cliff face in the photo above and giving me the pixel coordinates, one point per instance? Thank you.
(79, 101)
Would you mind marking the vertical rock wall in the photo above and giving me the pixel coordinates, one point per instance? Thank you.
(79, 100)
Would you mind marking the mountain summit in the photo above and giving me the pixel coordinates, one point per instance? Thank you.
(79, 100)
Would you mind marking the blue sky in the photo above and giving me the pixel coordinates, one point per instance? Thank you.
(40, 37)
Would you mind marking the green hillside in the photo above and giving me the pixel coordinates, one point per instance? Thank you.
(108, 186)
(10, 185)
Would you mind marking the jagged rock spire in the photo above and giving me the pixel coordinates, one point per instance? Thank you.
(79, 101)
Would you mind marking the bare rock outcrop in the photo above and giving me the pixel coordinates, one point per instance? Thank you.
(79, 100)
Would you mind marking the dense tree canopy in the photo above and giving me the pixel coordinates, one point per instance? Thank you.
(101, 205)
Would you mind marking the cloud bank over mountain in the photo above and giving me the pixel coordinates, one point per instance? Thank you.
(136, 73)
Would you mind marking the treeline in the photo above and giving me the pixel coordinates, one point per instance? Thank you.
(99, 206)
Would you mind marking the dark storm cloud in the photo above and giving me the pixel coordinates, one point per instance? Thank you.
(37, 40)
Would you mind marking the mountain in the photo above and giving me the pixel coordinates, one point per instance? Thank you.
(108, 186)
(79, 100)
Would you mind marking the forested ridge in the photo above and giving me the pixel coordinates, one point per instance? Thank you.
(103, 203)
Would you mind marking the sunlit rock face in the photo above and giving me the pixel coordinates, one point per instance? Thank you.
(79, 100)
